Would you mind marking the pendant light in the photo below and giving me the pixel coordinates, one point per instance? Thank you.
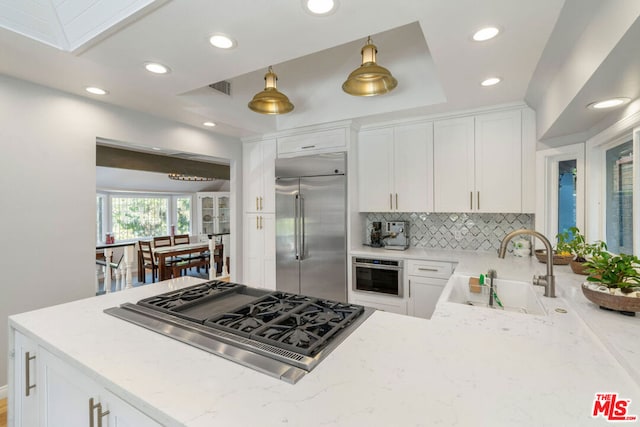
(369, 79)
(270, 100)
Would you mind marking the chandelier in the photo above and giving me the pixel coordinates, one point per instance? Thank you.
(183, 177)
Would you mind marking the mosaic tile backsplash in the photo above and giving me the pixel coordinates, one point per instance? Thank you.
(471, 231)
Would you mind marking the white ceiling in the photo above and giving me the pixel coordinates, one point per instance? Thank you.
(426, 44)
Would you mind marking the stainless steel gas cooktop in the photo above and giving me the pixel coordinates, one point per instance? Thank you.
(281, 334)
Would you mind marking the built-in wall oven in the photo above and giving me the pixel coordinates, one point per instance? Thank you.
(378, 276)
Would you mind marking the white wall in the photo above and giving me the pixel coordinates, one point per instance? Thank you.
(48, 185)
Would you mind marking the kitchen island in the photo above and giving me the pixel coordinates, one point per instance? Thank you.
(466, 366)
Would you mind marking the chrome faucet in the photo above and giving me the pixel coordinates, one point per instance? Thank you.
(548, 281)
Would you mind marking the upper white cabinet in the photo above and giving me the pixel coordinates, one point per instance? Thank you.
(258, 168)
(478, 163)
(313, 142)
(213, 214)
(395, 169)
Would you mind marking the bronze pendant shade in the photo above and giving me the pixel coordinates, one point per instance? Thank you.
(270, 100)
(369, 79)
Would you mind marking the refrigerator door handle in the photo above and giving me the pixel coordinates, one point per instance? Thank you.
(302, 228)
(296, 218)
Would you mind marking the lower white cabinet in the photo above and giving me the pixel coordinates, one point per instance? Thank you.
(425, 282)
(423, 295)
(69, 398)
(49, 392)
(259, 251)
(25, 391)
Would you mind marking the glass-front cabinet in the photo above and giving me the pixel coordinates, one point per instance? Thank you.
(213, 214)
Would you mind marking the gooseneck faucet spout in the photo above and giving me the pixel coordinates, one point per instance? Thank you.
(547, 281)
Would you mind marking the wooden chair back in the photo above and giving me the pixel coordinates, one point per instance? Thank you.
(159, 242)
(147, 253)
(180, 239)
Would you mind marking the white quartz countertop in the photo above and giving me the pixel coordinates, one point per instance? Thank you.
(467, 366)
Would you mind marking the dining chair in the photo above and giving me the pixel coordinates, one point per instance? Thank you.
(148, 260)
(161, 241)
(181, 239)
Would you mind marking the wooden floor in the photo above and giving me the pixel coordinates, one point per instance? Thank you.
(3, 412)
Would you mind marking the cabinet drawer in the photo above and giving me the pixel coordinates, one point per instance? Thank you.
(437, 269)
(328, 140)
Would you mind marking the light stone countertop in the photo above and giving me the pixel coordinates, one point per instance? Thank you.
(467, 366)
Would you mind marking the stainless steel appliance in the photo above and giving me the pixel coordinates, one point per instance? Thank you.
(311, 245)
(396, 235)
(381, 276)
(281, 334)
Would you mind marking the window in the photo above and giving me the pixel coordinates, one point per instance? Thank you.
(567, 193)
(619, 198)
(135, 216)
(183, 211)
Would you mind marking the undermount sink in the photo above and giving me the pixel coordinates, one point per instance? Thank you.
(516, 296)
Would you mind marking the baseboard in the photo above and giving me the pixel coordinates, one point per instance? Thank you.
(4, 391)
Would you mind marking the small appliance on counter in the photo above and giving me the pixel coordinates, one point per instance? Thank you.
(376, 235)
(396, 235)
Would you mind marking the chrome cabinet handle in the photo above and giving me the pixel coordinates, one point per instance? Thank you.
(390, 201)
(308, 146)
(427, 269)
(396, 201)
(27, 374)
(471, 200)
(260, 203)
(92, 408)
(478, 200)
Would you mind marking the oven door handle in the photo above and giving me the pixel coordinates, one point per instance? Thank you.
(378, 266)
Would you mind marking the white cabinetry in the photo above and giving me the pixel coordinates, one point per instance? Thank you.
(259, 238)
(425, 282)
(213, 214)
(395, 171)
(258, 168)
(26, 389)
(69, 398)
(478, 163)
(260, 251)
(49, 392)
(313, 142)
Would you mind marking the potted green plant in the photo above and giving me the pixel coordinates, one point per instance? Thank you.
(574, 242)
(613, 282)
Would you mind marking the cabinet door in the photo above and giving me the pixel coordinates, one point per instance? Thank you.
(268, 229)
(253, 250)
(413, 168)
(26, 387)
(206, 215)
(498, 169)
(252, 175)
(375, 163)
(121, 414)
(423, 295)
(453, 157)
(268, 195)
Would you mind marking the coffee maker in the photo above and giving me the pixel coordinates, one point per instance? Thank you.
(396, 235)
(376, 234)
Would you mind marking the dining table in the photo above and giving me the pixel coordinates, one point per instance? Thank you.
(165, 253)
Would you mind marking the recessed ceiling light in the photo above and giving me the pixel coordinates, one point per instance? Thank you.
(608, 103)
(485, 34)
(209, 124)
(491, 81)
(222, 41)
(320, 7)
(96, 90)
(154, 67)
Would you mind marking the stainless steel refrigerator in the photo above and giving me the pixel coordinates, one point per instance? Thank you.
(311, 242)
